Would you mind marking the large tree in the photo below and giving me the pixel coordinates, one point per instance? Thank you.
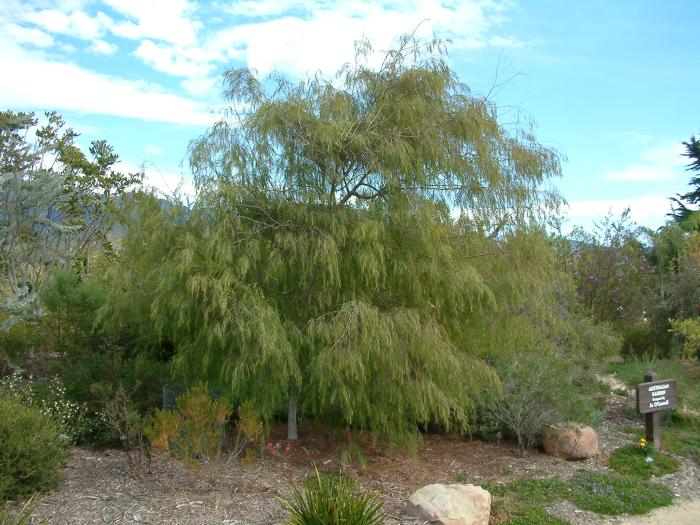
(54, 203)
(334, 254)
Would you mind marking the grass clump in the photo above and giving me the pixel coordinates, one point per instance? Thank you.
(333, 500)
(613, 494)
(633, 460)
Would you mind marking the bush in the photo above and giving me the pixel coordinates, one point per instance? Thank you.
(195, 432)
(128, 424)
(50, 398)
(31, 451)
(333, 500)
(537, 390)
(640, 340)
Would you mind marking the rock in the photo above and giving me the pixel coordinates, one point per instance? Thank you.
(451, 504)
(571, 441)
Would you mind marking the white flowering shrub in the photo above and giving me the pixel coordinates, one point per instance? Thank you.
(50, 398)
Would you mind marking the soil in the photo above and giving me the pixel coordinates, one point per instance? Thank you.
(99, 489)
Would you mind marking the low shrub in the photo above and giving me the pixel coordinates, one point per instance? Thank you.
(641, 462)
(129, 425)
(31, 450)
(333, 500)
(537, 390)
(194, 433)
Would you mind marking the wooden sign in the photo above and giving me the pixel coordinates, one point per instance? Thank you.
(656, 396)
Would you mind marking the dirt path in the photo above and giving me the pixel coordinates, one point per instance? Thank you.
(683, 512)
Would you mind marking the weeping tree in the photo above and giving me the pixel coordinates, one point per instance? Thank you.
(334, 249)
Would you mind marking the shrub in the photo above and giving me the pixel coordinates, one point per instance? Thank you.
(128, 424)
(333, 500)
(640, 340)
(31, 451)
(194, 433)
(51, 399)
(537, 390)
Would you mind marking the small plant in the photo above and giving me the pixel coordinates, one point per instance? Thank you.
(128, 424)
(641, 461)
(250, 431)
(333, 500)
(31, 451)
(194, 433)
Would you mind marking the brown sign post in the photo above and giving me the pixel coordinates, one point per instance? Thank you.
(654, 396)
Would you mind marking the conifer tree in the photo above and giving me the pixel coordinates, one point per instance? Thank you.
(322, 266)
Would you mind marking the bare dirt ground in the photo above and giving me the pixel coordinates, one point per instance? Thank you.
(98, 488)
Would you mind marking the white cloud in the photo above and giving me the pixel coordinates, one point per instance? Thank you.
(26, 35)
(168, 20)
(322, 36)
(153, 150)
(659, 163)
(101, 47)
(640, 174)
(648, 210)
(77, 23)
(174, 61)
(65, 86)
(167, 182)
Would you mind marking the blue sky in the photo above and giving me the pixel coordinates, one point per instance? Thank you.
(611, 84)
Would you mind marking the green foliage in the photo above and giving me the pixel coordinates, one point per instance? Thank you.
(194, 433)
(31, 451)
(682, 213)
(639, 341)
(633, 460)
(613, 494)
(333, 500)
(689, 329)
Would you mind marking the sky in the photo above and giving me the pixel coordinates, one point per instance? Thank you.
(612, 85)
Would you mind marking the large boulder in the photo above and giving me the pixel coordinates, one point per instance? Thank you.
(571, 441)
(451, 504)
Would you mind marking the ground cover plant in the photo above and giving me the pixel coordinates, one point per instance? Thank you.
(641, 461)
(524, 501)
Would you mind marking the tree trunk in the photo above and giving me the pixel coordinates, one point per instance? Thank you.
(292, 419)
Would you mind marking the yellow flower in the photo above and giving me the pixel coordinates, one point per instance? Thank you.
(643, 443)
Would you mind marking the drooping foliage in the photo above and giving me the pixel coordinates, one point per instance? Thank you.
(345, 236)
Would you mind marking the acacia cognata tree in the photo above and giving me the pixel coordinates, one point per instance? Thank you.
(322, 267)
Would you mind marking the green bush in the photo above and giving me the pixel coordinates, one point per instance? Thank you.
(537, 390)
(333, 500)
(31, 451)
(633, 460)
(640, 340)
